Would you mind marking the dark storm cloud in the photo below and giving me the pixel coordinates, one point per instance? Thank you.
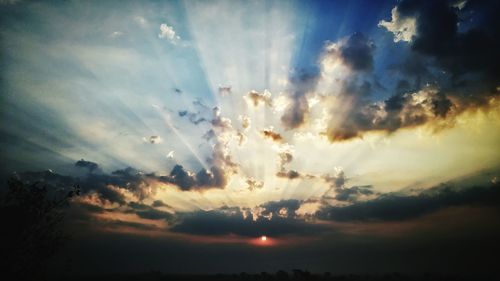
(215, 177)
(283, 208)
(415, 66)
(357, 89)
(227, 221)
(147, 212)
(463, 42)
(113, 186)
(351, 194)
(438, 35)
(356, 113)
(354, 52)
(203, 179)
(302, 82)
(416, 70)
(280, 218)
(454, 52)
(180, 177)
(276, 218)
(405, 110)
(393, 207)
(441, 105)
(357, 52)
(398, 111)
(91, 166)
(296, 112)
(436, 25)
(83, 218)
(337, 182)
(124, 179)
(93, 212)
(119, 185)
(159, 203)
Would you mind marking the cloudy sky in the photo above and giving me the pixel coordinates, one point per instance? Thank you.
(357, 136)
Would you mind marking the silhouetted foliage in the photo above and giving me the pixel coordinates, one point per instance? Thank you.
(31, 217)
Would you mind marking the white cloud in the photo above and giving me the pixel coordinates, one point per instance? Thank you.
(403, 28)
(152, 139)
(245, 122)
(141, 20)
(168, 32)
(116, 34)
(460, 4)
(280, 103)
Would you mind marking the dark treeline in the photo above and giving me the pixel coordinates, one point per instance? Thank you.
(295, 275)
(32, 216)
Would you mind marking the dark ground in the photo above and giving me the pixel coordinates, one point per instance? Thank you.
(295, 275)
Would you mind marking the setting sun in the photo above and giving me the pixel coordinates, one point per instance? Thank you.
(263, 238)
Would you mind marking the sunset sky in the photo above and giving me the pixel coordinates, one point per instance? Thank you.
(357, 136)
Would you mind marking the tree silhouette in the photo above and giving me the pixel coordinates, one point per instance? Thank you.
(31, 217)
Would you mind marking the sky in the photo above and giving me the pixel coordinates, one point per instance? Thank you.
(357, 136)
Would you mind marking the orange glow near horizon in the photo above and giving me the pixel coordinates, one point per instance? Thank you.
(263, 241)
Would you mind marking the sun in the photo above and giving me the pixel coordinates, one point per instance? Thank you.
(263, 238)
